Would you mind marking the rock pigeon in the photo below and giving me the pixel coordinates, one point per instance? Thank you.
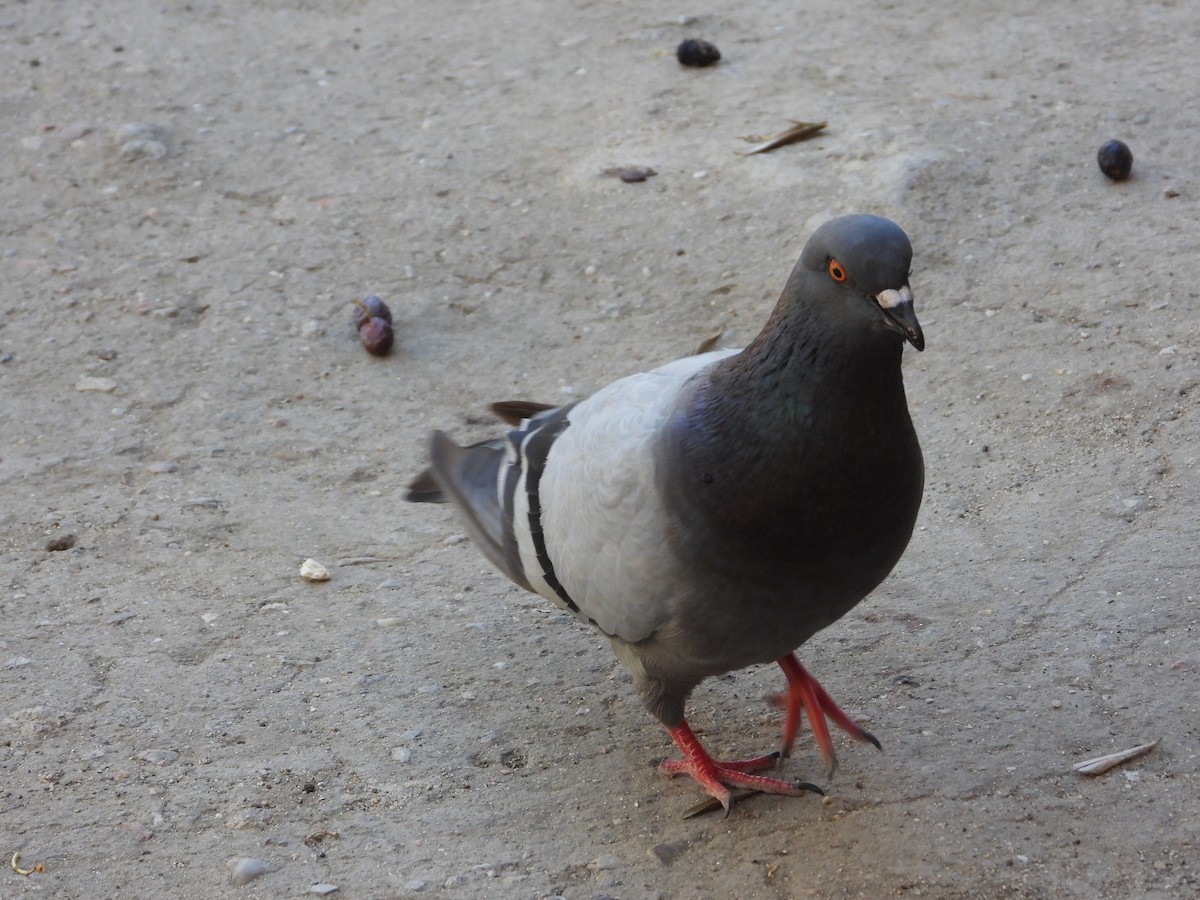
(718, 511)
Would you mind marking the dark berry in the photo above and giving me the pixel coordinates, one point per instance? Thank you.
(371, 307)
(693, 52)
(1116, 160)
(376, 335)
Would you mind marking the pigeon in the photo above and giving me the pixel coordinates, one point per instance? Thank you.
(718, 511)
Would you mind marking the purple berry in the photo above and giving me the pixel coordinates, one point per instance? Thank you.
(699, 54)
(371, 307)
(376, 335)
(1116, 160)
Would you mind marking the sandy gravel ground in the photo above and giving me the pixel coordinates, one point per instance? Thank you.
(193, 193)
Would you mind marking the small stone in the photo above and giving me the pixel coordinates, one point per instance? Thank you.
(246, 869)
(93, 383)
(131, 151)
(158, 756)
(323, 888)
(629, 174)
(389, 622)
(60, 543)
(1116, 160)
(414, 885)
(162, 468)
(401, 754)
(696, 53)
(311, 570)
(18, 662)
(141, 131)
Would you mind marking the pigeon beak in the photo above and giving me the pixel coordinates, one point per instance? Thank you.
(897, 306)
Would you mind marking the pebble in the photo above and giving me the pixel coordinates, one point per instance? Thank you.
(401, 754)
(389, 622)
(93, 383)
(60, 543)
(311, 570)
(141, 131)
(245, 870)
(629, 174)
(415, 884)
(131, 151)
(323, 888)
(162, 468)
(18, 662)
(158, 756)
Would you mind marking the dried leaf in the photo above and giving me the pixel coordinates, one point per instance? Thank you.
(800, 131)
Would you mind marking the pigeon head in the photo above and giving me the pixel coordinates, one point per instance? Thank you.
(863, 261)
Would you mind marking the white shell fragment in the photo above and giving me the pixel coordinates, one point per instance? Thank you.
(93, 383)
(1102, 764)
(311, 570)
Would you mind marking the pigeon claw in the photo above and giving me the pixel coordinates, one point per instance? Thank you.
(805, 694)
(718, 778)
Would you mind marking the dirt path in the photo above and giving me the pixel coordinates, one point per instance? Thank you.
(193, 194)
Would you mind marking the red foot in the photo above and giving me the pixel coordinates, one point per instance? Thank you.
(806, 692)
(718, 777)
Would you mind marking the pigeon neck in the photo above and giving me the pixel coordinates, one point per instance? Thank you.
(768, 443)
(804, 358)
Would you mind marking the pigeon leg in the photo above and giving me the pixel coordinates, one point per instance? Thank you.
(718, 777)
(805, 692)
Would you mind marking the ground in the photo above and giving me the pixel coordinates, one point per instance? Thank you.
(195, 193)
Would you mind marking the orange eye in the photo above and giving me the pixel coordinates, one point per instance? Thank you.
(836, 272)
